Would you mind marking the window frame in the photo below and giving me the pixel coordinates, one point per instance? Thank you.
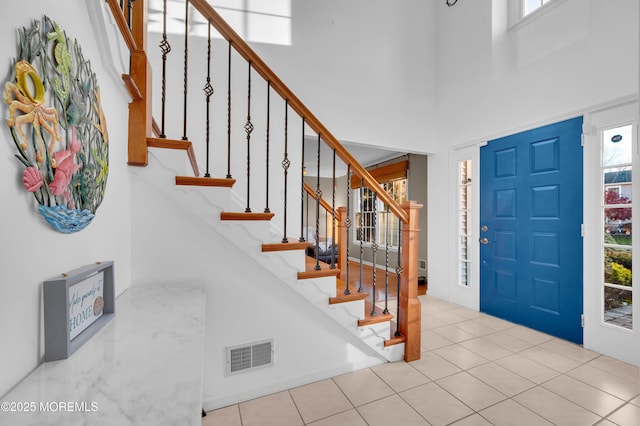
(517, 18)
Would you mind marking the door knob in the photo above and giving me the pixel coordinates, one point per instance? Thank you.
(484, 240)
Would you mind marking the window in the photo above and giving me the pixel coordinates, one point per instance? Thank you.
(373, 221)
(464, 222)
(524, 11)
(531, 5)
(617, 209)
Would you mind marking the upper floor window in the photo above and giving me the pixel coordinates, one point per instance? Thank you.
(531, 5)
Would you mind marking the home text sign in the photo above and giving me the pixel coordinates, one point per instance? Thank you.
(86, 303)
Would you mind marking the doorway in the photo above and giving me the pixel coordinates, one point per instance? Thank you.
(530, 230)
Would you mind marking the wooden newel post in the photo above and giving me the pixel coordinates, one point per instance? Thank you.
(140, 114)
(409, 317)
(342, 239)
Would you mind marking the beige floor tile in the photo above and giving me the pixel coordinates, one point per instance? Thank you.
(528, 334)
(277, 410)
(508, 341)
(392, 410)
(629, 415)
(556, 409)
(505, 381)
(602, 380)
(435, 404)
(475, 327)
(347, 418)
(636, 401)
(570, 350)
(461, 356)
(319, 400)
(527, 368)
(453, 333)
(606, 422)
(400, 375)
(550, 359)
(224, 416)
(473, 392)
(617, 368)
(486, 349)
(474, 420)
(363, 386)
(495, 323)
(434, 366)
(448, 316)
(510, 413)
(468, 313)
(584, 395)
(429, 322)
(430, 340)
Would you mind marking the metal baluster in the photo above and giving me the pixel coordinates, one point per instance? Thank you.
(208, 90)
(229, 113)
(386, 262)
(333, 214)
(398, 273)
(266, 208)
(130, 7)
(348, 224)
(165, 47)
(360, 289)
(302, 192)
(307, 221)
(248, 128)
(186, 57)
(285, 165)
(374, 249)
(318, 197)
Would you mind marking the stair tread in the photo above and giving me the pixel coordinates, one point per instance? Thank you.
(245, 216)
(342, 298)
(373, 319)
(292, 244)
(168, 143)
(204, 181)
(310, 270)
(395, 340)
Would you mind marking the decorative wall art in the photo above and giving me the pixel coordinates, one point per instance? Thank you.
(58, 126)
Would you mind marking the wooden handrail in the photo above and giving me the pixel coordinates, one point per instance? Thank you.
(121, 21)
(279, 87)
(325, 205)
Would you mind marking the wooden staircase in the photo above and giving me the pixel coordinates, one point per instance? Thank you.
(405, 332)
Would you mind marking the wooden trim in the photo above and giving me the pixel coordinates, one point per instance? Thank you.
(409, 317)
(191, 153)
(279, 87)
(293, 245)
(121, 21)
(245, 216)
(325, 205)
(139, 110)
(155, 128)
(204, 181)
(385, 173)
(131, 87)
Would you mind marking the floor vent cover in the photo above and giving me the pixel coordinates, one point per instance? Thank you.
(250, 356)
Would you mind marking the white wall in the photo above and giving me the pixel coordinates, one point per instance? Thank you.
(246, 302)
(31, 250)
(493, 82)
(365, 68)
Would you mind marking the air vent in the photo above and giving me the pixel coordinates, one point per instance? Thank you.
(422, 264)
(250, 356)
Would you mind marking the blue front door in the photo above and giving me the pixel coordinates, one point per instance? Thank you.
(530, 229)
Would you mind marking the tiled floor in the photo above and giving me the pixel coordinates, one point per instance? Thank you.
(475, 370)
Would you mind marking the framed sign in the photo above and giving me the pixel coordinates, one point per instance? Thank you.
(76, 305)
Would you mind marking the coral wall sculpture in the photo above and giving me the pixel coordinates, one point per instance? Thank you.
(58, 126)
